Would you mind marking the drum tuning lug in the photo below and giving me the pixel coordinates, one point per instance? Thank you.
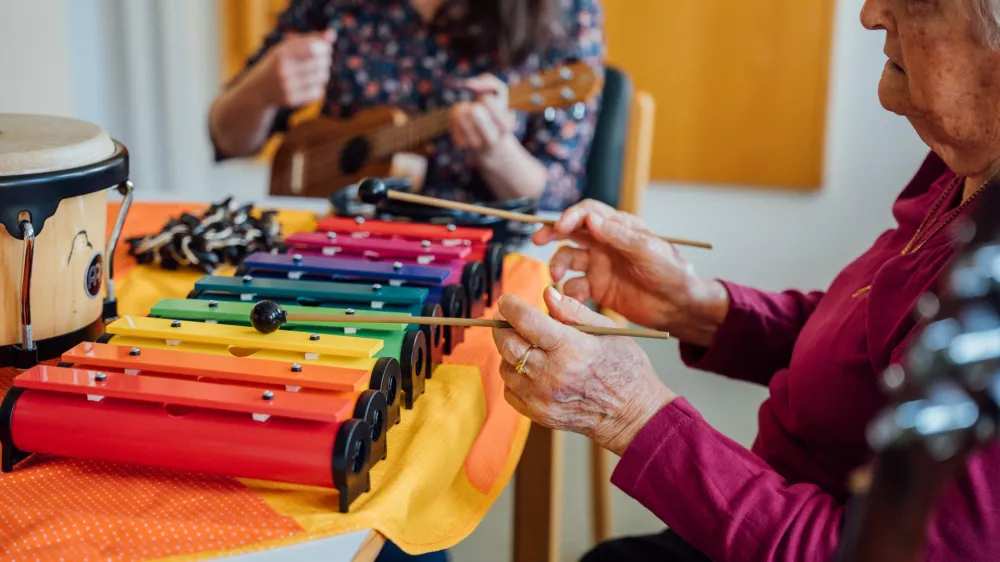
(397, 266)
(247, 278)
(296, 368)
(349, 312)
(134, 352)
(175, 324)
(314, 337)
(100, 377)
(213, 304)
(268, 395)
(377, 287)
(297, 258)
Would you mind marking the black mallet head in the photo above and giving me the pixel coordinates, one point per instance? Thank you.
(267, 317)
(373, 191)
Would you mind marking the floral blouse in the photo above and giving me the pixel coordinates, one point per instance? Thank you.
(385, 54)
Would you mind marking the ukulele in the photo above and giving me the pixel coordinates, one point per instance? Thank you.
(322, 155)
(944, 402)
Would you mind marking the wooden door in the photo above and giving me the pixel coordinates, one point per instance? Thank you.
(740, 85)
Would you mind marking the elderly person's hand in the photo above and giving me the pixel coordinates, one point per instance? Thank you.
(632, 271)
(602, 387)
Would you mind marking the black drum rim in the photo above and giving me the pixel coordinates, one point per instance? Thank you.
(40, 194)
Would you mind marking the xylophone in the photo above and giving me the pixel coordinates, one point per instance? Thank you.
(195, 386)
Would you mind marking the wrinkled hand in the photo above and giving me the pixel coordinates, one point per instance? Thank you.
(482, 125)
(296, 71)
(629, 269)
(602, 387)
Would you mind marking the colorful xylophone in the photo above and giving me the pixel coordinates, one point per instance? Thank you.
(192, 386)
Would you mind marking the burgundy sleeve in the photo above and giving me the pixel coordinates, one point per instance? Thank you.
(728, 504)
(757, 336)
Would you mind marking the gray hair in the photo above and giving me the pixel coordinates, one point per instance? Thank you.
(987, 19)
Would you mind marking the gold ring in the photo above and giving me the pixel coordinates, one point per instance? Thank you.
(524, 359)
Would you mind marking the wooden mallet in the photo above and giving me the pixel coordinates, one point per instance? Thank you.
(267, 317)
(373, 191)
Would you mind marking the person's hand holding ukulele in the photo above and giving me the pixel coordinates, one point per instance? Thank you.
(485, 127)
(293, 74)
(296, 72)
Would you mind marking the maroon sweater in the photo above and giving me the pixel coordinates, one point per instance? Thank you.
(820, 353)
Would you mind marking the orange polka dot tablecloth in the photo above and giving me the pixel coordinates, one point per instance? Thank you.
(448, 462)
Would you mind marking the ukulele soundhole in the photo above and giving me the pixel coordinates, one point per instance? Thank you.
(355, 155)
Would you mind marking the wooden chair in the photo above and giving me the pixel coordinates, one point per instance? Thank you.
(617, 174)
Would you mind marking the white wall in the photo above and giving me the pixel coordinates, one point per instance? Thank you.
(148, 69)
(34, 57)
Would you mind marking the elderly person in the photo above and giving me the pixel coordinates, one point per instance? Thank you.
(820, 353)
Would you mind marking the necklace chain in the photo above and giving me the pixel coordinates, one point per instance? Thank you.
(912, 246)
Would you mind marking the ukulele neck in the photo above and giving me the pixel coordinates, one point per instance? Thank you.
(417, 131)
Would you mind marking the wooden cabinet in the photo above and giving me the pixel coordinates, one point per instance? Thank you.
(740, 86)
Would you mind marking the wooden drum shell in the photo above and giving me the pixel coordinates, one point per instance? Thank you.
(70, 241)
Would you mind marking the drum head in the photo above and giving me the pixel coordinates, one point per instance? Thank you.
(45, 160)
(35, 144)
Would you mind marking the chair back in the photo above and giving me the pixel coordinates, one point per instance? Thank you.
(606, 163)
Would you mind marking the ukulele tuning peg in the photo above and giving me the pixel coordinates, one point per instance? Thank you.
(536, 80)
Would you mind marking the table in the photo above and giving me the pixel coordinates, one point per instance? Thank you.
(359, 545)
